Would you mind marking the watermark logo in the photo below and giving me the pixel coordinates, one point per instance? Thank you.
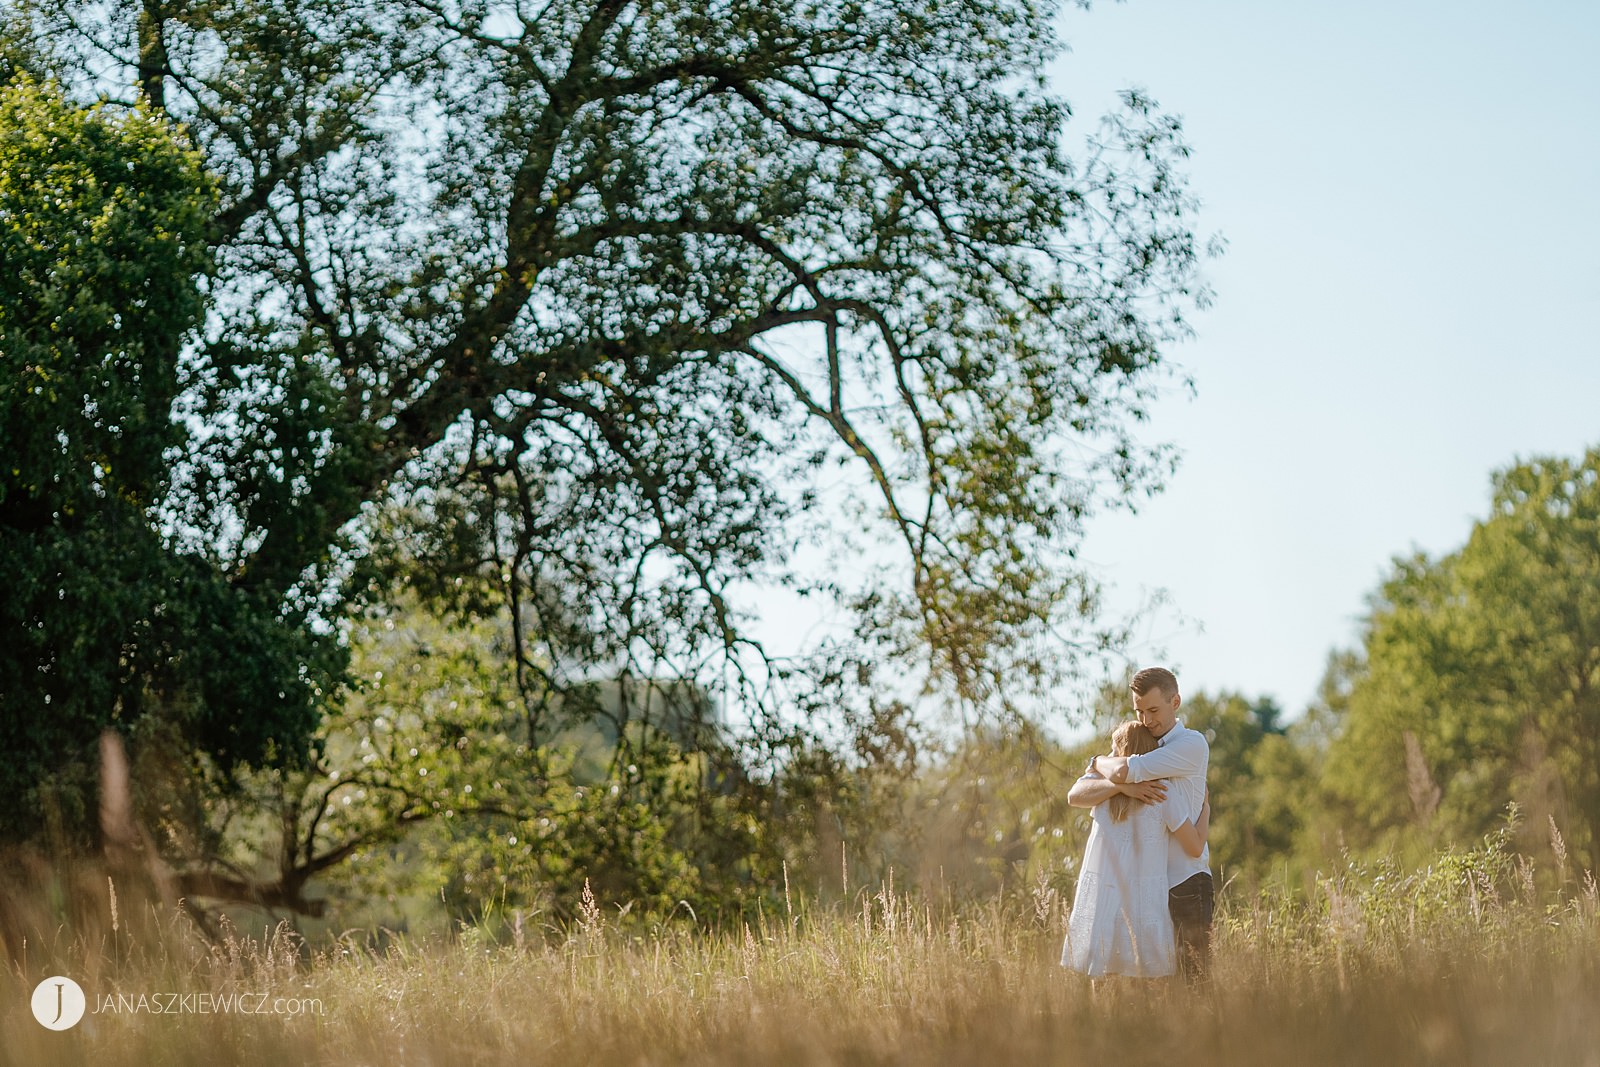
(58, 1003)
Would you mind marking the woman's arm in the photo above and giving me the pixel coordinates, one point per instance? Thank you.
(1192, 835)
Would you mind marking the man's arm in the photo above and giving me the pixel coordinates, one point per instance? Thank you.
(1091, 790)
(1179, 758)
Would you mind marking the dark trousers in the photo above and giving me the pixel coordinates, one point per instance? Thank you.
(1191, 905)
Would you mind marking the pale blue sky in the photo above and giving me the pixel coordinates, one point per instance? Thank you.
(1409, 301)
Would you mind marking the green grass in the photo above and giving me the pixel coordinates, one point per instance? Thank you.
(1444, 966)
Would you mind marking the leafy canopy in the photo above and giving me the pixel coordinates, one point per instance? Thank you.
(103, 217)
(597, 289)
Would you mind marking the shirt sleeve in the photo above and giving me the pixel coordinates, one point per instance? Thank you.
(1175, 810)
(1182, 757)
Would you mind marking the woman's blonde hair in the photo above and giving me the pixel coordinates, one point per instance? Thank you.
(1132, 738)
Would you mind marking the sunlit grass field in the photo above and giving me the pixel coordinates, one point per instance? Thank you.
(1466, 961)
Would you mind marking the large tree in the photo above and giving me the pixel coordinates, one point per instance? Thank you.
(572, 309)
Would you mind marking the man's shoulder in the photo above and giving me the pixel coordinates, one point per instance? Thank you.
(1189, 737)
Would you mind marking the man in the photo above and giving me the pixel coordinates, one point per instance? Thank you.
(1179, 763)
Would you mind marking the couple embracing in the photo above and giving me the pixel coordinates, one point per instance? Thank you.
(1144, 900)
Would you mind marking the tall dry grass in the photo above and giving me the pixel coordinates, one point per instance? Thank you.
(1466, 962)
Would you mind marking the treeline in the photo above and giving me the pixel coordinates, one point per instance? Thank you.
(1468, 711)
(1471, 703)
(436, 795)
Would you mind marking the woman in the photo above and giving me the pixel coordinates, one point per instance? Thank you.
(1120, 923)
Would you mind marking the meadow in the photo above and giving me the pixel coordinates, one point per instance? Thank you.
(1482, 957)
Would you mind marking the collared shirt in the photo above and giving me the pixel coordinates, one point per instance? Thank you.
(1181, 757)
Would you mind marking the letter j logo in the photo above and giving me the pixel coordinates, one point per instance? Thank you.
(58, 1003)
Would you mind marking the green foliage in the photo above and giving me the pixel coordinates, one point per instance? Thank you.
(1259, 780)
(101, 220)
(103, 215)
(1481, 674)
(634, 788)
(431, 787)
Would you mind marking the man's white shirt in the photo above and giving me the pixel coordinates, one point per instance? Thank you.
(1181, 757)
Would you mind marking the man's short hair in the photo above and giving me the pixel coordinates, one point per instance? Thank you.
(1158, 678)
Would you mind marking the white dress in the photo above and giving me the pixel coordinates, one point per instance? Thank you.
(1120, 923)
